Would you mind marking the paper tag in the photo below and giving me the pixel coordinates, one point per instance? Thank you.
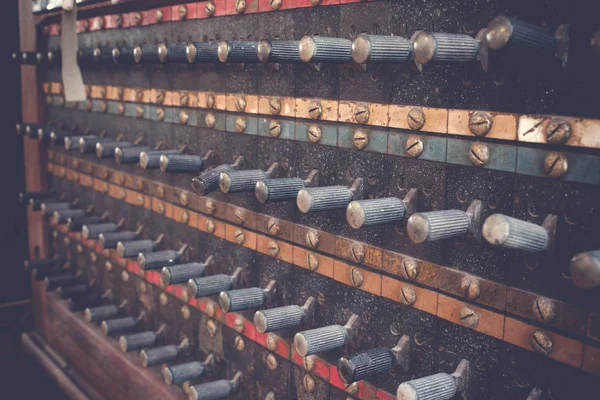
(71, 74)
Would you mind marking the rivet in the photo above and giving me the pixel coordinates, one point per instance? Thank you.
(209, 8)
(240, 6)
(312, 261)
(273, 227)
(479, 154)
(274, 129)
(414, 146)
(272, 362)
(415, 118)
(185, 217)
(182, 11)
(352, 388)
(273, 248)
(160, 191)
(137, 18)
(407, 295)
(360, 139)
(308, 381)
(183, 198)
(185, 312)
(159, 15)
(108, 266)
(240, 345)
(211, 327)
(139, 111)
(183, 117)
(139, 95)
(275, 4)
(541, 342)
(308, 363)
(160, 114)
(124, 276)
(312, 239)
(238, 324)
(240, 124)
(121, 108)
(356, 277)
(358, 252)
(160, 96)
(209, 120)
(480, 123)
(118, 19)
(468, 317)
(544, 309)
(79, 248)
(410, 268)
(103, 106)
(210, 100)
(314, 109)
(470, 287)
(361, 113)
(93, 257)
(210, 225)
(240, 103)
(103, 91)
(183, 98)
(556, 164)
(120, 93)
(240, 216)
(314, 134)
(271, 342)
(558, 130)
(275, 103)
(210, 309)
(239, 236)
(160, 208)
(163, 299)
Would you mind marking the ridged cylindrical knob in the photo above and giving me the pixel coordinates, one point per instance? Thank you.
(183, 163)
(72, 291)
(159, 355)
(512, 233)
(435, 387)
(275, 319)
(72, 142)
(585, 269)
(151, 159)
(43, 134)
(199, 52)
(93, 231)
(54, 57)
(137, 341)
(321, 339)
(360, 213)
(278, 51)
(150, 53)
(367, 364)
(107, 148)
(182, 273)
(273, 190)
(80, 303)
(444, 47)
(124, 55)
(317, 49)
(180, 373)
(157, 259)
(241, 299)
(209, 285)
(504, 31)
(211, 391)
(133, 248)
(58, 137)
(62, 216)
(323, 198)
(110, 240)
(25, 197)
(40, 264)
(240, 181)
(76, 224)
(103, 55)
(238, 52)
(85, 55)
(208, 181)
(176, 53)
(118, 326)
(437, 225)
(52, 282)
(88, 144)
(36, 203)
(129, 155)
(43, 273)
(48, 209)
(381, 49)
(93, 314)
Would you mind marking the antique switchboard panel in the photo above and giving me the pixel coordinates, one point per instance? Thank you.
(315, 199)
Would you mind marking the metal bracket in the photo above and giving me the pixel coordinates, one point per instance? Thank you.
(237, 162)
(270, 290)
(549, 225)
(461, 376)
(402, 352)
(483, 52)
(182, 249)
(271, 171)
(160, 145)
(139, 229)
(235, 277)
(357, 189)
(410, 201)
(562, 43)
(209, 261)
(160, 238)
(474, 213)
(209, 157)
(352, 326)
(309, 308)
(312, 179)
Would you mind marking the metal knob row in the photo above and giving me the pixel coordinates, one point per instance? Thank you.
(107, 148)
(48, 209)
(62, 216)
(323, 198)
(274, 190)
(76, 224)
(110, 240)
(189, 371)
(77, 290)
(163, 354)
(181, 163)
(238, 52)
(182, 273)
(240, 181)
(93, 231)
(215, 390)
(53, 282)
(241, 299)
(512, 233)
(118, 326)
(130, 154)
(80, 303)
(316, 49)
(211, 285)
(199, 52)
(159, 259)
(208, 181)
(440, 386)
(381, 49)
(132, 248)
(95, 314)
(278, 51)
(136, 341)
(364, 213)
(444, 47)
(151, 159)
(275, 319)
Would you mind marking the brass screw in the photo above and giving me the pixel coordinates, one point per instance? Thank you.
(556, 164)
(468, 318)
(93, 257)
(160, 207)
(314, 109)
(314, 134)
(240, 345)
(309, 383)
(544, 309)
(163, 299)
(160, 114)
(210, 120)
(273, 248)
(275, 4)
(415, 118)
(120, 93)
(315, 2)
(160, 96)
(541, 342)
(88, 105)
(274, 129)
(360, 139)
(358, 252)
(185, 312)
(185, 217)
(183, 117)
(240, 6)
(182, 10)
(160, 191)
(139, 111)
(139, 95)
(124, 276)
(271, 362)
(210, 206)
(103, 106)
(108, 266)
(410, 268)
(271, 342)
(408, 295)
(470, 287)
(238, 325)
(275, 103)
(211, 327)
(239, 236)
(308, 363)
(240, 124)
(137, 18)
(103, 91)
(183, 198)
(273, 227)
(210, 8)
(121, 108)
(313, 261)
(79, 248)
(240, 102)
(159, 15)
(356, 277)
(210, 309)
(312, 239)
(210, 99)
(361, 113)
(414, 146)
(240, 216)
(210, 225)
(118, 20)
(558, 130)
(352, 388)
(183, 98)
(480, 123)
(479, 154)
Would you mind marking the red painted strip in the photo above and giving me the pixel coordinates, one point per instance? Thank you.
(384, 395)
(152, 277)
(334, 378)
(261, 338)
(249, 330)
(133, 267)
(283, 349)
(110, 22)
(322, 369)
(297, 358)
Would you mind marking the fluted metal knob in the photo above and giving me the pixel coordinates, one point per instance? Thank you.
(125, 55)
(208, 181)
(72, 142)
(238, 51)
(58, 137)
(437, 225)
(103, 55)
(318, 49)
(76, 224)
(381, 49)
(132, 248)
(323, 198)
(240, 181)
(110, 240)
(85, 56)
(93, 314)
(182, 273)
(62, 216)
(36, 203)
(278, 51)
(136, 341)
(512, 233)
(435, 387)
(363, 213)
(41, 264)
(52, 282)
(54, 57)
(150, 54)
(118, 326)
(209, 285)
(199, 52)
(241, 299)
(66, 292)
(321, 339)
(88, 144)
(180, 373)
(151, 159)
(274, 190)
(367, 364)
(43, 134)
(504, 31)
(183, 163)
(107, 148)
(26, 197)
(129, 155)
(93, 231)
(176, 53)
(159, 259)
(159, 355)
(214, 390)
(48, 209)
(444, 47)
(275, 319)
(80, 303)
(585, 269)
(43, 273)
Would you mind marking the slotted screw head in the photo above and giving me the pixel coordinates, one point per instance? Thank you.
(414, 146)
(275, 103)
(312, 239)
(159, 15)
(240, 345)
(313, 261)
(273, 227)
(182, 11)
(410, 268)
(468, 317)
(314, 109)
(275, 4)
(479, 154)
(210, 100)
(309, 383)
(210, 120)
(544, 309)
(416, 118)
(541, 342)
(407, 295)
(356, 277)
(558, 130)
(358, 252)
(360, 139)
(272, 362)
(210, 8)
(160, 114)
(183, 117)
(361, 113)
(240, 6)
(314, 134)
(470, 288)
(273, 248)
(480, 123)
(240, 103)
(239, 236)
(556, 164)
(240, 124)
(274, 129)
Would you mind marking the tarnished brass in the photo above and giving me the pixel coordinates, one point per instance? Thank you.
(558, 130)
(361, 113)
(480, 123)
(479, 154)
(240, 6)
(360, 140)
(274, 128)
(556, 164)
(209, 8)
(415, 118)
(315, 110)
(209, 120)
(308, 381)
(239, 343)
(240, 124)
(414, 146)
(468, 317)
(314, 133)
(541, 342)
